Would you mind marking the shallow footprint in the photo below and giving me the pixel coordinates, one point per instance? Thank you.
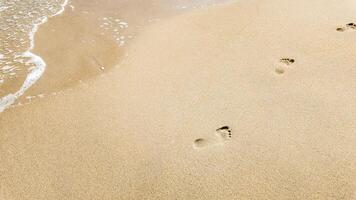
(287, 61)
(284, 62)
(200, 143)
(224, 133)
(351, 25)
(279, 71)
(340, 29)
(347, 27)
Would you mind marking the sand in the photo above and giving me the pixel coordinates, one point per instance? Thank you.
(277, 74)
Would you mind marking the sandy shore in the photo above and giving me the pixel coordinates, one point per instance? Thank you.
(277, 73)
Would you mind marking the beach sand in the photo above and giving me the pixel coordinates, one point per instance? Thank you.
(249, 100)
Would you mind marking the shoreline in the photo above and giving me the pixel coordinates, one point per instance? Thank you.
(39, 64)
(86, 37)
(229, 104)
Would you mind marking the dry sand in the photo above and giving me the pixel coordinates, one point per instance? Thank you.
(147, 128)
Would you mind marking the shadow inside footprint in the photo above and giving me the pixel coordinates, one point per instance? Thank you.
(200, 143)
(287, 61)
(351, 25)
(279, 71)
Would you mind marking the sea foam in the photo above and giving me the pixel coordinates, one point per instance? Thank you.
(38, 63)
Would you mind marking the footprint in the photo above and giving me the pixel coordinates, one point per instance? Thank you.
(222, 135)
(347, 27)
(287, 61)
(280, 70)
(200, 143)
(340, 29)
(283, 63)
(351, 25)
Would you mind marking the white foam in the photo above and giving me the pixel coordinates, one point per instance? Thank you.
(3, 8)
(115, 26)
(1, 56)
(31, 78)
(36, 72)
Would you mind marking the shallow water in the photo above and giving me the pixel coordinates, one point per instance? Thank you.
(20, 68)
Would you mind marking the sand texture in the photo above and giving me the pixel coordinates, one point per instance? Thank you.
(249, 100)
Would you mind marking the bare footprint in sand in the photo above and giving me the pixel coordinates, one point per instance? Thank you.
(287, 61)
(222, 135)
(283, 64)
(349, 26)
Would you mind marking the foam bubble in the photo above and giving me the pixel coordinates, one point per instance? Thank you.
(116, 27)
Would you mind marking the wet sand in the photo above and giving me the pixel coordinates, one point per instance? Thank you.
(89, 45)
(249, 100)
